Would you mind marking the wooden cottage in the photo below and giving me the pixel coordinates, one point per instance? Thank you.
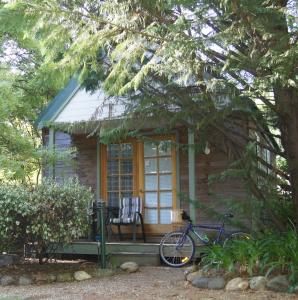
(164, 176)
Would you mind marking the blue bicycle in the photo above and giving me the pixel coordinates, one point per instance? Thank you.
(177, 248)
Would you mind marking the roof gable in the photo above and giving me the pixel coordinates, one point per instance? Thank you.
(74, 104)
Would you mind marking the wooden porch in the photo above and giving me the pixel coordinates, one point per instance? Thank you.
(117, 252)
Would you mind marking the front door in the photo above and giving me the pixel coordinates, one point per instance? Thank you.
(159, 184)
(146, 169)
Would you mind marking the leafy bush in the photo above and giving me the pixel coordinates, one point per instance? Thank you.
(15, 210)
(50, 213)
(274, 253)
(60, 213)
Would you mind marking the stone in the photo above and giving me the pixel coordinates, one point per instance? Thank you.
(25, 280)
(216, 283)
(42, 278)
(190, 270)
(81, 275)
(278, 283)
(64, 277)
(7, 280)
(201, 282)
(258, 283)
(103, 272)
(129, 267)
(51, 278)
(9, 259)
(191, 276)
(237, 284)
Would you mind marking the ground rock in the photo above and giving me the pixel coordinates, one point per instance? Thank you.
(129, 267)
(103, 272)
(9, 259)
(42, 278)
(7, 280)
(25, 280)
(278, 283)
(200, 282)
(64, 277)
(190, 270)
(237, 284)
(81, 275)
(216, 283)
(191, 276)
(258, 283)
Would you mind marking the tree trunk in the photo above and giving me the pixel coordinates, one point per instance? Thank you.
(287, 104)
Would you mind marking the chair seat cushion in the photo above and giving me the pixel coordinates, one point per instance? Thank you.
(121, 220)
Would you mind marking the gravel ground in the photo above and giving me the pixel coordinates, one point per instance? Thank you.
(149, 283)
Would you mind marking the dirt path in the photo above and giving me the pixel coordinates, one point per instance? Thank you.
(149, 283)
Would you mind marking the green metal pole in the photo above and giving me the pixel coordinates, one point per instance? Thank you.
(192, 174)
(102, 234)
(97, 235)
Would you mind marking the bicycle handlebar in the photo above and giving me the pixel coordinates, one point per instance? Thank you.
(186, 217)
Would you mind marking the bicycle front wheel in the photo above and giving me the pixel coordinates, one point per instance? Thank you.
(177, 249)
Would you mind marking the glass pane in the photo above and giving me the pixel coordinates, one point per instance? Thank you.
(113, 167)
(150, 199)
(165, 165)
(113, 199)
(165, 199)
(113, 183)
(113, 150)
(150, 165)
(126, 194)
(165, 216)
(150, 182)
(151, 216)
(165, 182)
(164, 148)
(126, 150)
(126, 166)
(150, 149)
(126, 182)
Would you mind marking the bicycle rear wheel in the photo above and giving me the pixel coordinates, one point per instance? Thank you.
(237, 236)
(177, 249)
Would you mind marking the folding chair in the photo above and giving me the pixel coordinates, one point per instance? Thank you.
(130, 209)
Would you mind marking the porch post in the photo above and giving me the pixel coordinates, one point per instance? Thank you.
(98, 169)
(178, 185)
(191, 174)
(51, 147)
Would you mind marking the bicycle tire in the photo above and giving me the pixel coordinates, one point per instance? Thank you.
(177, 249)
(237, 236)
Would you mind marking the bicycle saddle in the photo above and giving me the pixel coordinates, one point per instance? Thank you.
(229, 215)
(185, 216)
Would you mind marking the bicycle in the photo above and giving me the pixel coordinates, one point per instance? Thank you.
(177, 248)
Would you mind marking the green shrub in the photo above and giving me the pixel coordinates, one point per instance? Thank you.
(50, 213)
(60, 214)
(15, 211)
(273, 253)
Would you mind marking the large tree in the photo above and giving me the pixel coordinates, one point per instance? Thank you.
(183, 54)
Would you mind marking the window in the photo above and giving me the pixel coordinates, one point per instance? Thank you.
(119, 172)
(158, 187)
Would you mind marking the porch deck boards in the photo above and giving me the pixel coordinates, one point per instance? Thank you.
(112, 248)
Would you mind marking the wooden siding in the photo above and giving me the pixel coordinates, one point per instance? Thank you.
(210, 197)
(84, 106)
(86, 160)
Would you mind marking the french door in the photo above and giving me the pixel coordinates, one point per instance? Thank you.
(146, 169)
(159, 184)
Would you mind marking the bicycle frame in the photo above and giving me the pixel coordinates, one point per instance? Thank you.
(193, 228)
